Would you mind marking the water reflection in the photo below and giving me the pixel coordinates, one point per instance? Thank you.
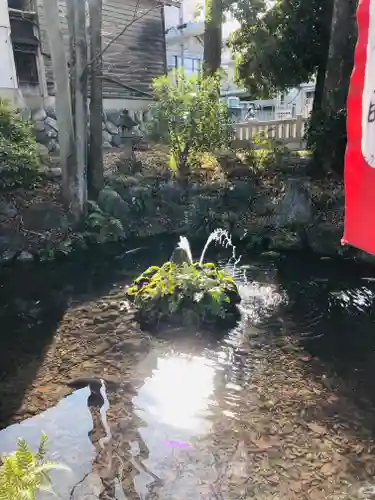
(196, 401)
(178, 393)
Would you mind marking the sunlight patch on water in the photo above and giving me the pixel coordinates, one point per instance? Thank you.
(179, 391)
(260, 301)
(361, 298)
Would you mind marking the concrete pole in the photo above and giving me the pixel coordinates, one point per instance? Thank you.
(182, 47)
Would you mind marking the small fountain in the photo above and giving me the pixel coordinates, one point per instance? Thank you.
(182, 252)
(188, 291)
(222, 237)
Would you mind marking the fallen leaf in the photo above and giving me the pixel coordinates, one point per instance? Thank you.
(332, 399)
(327, 469)
(261, 444)
(318, 429)
(44, 389)
(296, 486)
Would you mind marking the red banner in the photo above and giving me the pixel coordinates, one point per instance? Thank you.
(360, 155)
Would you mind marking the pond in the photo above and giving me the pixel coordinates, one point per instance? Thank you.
(281, 407)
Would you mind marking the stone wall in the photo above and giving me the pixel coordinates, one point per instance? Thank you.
(47, 130)
(260, 217)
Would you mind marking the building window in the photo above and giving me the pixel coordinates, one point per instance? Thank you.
(310, 94)
(26, 66)
(21, 4)
(191, 64)
(282, 99)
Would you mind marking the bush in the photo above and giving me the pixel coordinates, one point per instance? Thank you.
(190, 114)
(101, 226)
(188, 293)
(20, 157)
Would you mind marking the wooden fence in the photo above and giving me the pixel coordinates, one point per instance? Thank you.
(289, 132)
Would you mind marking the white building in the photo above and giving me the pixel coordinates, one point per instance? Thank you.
(184, 43)
(184, 40)
(8, 76)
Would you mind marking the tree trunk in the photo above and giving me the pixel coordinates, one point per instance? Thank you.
(212, 37)
(326, 22)
(337, 79)
(316, 113)
(63, 110)
(95, 163)
(80, 78)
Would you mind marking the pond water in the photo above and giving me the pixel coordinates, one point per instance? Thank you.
(281, 407)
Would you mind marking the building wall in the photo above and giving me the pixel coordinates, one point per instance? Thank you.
(193, 55)
(8, 77)
(134, 60)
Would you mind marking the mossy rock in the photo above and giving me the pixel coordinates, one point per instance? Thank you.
(285, 239)
(185, 294)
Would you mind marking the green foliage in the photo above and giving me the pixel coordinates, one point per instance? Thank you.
(103, 227)
(266, 153)
(24, 473)
(187, 290)
(279, 47)
(191, 114)
(321, 126)
(20, 157)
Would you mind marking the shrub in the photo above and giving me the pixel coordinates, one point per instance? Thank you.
(101, 226)
(20, 156)
(190, 113)
(186, 292)
(24, 473)
(265, 153)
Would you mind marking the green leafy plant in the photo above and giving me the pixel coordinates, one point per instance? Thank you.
(103, 226)
(266, 152)
(188, 292)
(20, 156)
(191, 116)
(24, 473)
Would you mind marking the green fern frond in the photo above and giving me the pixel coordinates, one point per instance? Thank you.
(42, 447)
(24, 473)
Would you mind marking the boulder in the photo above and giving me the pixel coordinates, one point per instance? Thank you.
(43, 151)
(7, 256)
(11, 244)
(294, 207)
(325, 239)
(112, 203)
(42, 137)
(44, 216)
(285, 240)
(39, 115)
(52, 145)
(107, 137)
(39, 125)
(52, 134)
(111, 128)
(116, 141)
(26, 113)
(51, 122)
(114, 117)
(54, 173)
(25, 257)
(51, 112)
(7, 211)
